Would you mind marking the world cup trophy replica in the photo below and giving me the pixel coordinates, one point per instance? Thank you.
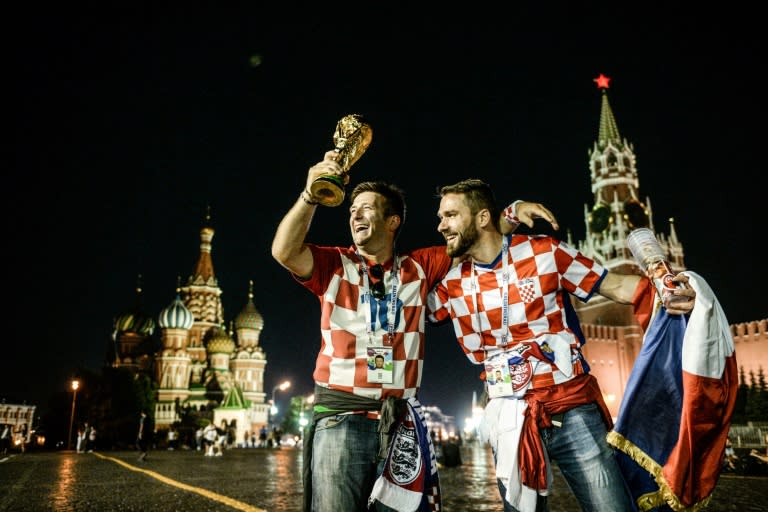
(351, 138)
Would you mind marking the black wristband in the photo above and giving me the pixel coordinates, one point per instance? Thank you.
(307, 198)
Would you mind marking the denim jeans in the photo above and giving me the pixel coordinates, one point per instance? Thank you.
(586, 461)
(345, 464)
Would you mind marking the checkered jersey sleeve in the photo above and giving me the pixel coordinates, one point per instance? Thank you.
(327, 262)
(438, 304)
(579, 275)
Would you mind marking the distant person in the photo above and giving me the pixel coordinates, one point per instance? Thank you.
(451, 453)
(91, 441)
(263, 433)
(144, 435)
(277, 435)
(729, 457)
(762, 458)
(86, 435)
(210, 435)
(220, 444)
(173, 438)
(80, 439)
(5, 439)
(371, 297)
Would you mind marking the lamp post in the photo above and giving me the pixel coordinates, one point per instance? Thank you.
(75, 385)
(273, 409)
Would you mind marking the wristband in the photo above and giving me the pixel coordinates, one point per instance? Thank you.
(510, 214)
(307, 198)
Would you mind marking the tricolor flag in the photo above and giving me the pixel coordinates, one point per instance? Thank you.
(674, 419)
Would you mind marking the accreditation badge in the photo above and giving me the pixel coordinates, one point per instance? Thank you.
(380, 365)
(497, 377)
(505, 378)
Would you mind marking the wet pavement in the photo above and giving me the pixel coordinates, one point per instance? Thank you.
(253, 480)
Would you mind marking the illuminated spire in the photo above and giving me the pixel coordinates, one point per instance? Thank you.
(609, 132)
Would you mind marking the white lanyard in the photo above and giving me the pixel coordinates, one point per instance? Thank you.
(368, 296)
(504, 293)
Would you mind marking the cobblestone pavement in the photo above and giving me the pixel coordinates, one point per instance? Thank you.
(252, 480)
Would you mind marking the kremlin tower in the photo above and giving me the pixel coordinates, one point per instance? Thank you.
(614, 338)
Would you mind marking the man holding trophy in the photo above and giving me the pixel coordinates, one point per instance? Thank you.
(368, 442)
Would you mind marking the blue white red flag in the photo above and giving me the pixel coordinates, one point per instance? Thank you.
(676, 412)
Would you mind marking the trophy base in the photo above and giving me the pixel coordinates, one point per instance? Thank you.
(328, 190)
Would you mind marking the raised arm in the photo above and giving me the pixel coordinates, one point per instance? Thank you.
(288, 246)
(621, 288)
(525, 212)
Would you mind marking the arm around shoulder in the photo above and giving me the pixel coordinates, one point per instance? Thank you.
(525, 212)
(619, 287)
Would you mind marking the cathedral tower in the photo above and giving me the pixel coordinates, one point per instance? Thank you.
(132, 337)
(172, 362)
(249, 361)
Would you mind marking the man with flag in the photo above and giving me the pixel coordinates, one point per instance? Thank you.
(509, 303)
(676, 412)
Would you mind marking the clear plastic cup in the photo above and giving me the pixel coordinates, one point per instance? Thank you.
(644, 247)
(650, 257)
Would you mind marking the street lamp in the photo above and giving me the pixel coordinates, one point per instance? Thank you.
(75, 385)
(282, 387)
(303, 420)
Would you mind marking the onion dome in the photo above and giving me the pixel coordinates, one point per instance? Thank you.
(136, 321)
(249, 317)
(221, 342)
(176, 315)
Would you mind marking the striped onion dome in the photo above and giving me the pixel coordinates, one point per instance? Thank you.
(135, 321)
(221, 342)
(249, 317)
(176, 315)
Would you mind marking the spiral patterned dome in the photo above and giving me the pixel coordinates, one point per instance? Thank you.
(176, 316)
(221, 343)
(135, 322)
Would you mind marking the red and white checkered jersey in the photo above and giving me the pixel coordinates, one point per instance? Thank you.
(342, 362)
(541, 271)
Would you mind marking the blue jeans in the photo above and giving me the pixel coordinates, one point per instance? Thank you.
(586, 461)
(345, 463)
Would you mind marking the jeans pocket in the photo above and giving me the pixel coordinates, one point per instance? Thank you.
(330, 422)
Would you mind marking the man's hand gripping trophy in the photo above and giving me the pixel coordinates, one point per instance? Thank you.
(326, 180)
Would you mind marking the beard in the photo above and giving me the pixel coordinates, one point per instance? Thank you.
(465, 240)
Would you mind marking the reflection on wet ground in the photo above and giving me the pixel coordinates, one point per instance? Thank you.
(255, 480)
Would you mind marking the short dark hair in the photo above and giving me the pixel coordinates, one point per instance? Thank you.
(478, 196)
(394, 198)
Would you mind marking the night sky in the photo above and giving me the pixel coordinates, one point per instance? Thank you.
(128, 123)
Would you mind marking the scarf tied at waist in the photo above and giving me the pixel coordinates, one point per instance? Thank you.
(330, 402)
(543, 403)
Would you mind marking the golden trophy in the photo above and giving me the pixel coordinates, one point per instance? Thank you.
(351, 138)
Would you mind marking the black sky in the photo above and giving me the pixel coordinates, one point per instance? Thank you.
(128, 123)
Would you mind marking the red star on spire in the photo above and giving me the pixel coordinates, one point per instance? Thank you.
(602, 81)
